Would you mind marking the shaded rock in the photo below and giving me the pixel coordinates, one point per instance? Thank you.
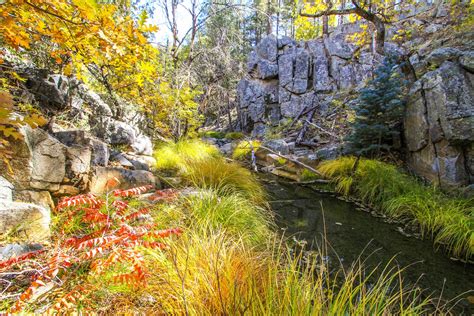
(467, 61)
(29, 221)
(14, 250)
(328, 153)
(440, 55)
(127, 178)
(6, 189)
(100, 153)
(67, 190)
(278, 145)
(120, 159)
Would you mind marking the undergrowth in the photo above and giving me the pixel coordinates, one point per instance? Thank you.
(448, 221)
(227, 260)
(244, 149)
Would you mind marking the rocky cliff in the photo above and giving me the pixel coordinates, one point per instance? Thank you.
(286, 77)
(78, 152)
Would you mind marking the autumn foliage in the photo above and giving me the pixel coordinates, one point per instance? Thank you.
(99, 235)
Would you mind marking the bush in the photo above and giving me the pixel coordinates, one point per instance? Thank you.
(447, 220)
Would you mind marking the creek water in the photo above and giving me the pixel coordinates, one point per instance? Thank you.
(306, 213)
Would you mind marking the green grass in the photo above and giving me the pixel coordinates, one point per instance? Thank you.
(448, 221)
(231, 213)
(244, 148)
(213, 134)
(229, 260)
(175, 156)
(234, 135)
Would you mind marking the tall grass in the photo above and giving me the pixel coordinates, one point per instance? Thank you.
(212, 274)
(225, 177)
(201, 165)
(232, 213)
(448, 221)
(175, 156)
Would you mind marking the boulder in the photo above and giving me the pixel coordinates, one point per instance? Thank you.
(278, 145)
(142, 145)
(467, 61)
(267, 48)
(29, 221)
(440, 55)
(40, 161)
(41, 198)
(100, 153)
(48, 92)
(126, 179)
(6, 190)
(14, 250)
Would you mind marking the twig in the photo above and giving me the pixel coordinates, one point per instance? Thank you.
(321, 129)
(293, 160)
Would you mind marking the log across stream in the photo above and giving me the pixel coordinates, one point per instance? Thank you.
(306, 214)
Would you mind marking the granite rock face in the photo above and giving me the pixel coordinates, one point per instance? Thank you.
(439, 120)
(286, 76)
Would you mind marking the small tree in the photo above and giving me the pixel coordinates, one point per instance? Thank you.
(379, 109)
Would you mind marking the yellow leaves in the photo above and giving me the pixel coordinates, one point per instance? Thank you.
(6, 100)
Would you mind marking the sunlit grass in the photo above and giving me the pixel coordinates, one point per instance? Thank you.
(449, 221)
(244, 149)
(225, 177)
(174, 156)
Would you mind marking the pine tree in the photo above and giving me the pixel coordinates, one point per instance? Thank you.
(379, 109)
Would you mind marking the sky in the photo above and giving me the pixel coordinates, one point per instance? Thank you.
(159, 19)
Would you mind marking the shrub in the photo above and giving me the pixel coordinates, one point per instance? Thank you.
(213, 134)
(97, 238)
(447, 220)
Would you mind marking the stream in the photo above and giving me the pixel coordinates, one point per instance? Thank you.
(303, 212)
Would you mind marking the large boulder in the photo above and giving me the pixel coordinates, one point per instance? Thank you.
(439, 121)
(41, 198)
(40, 161)
(28, 221)
(125, 179)
(6, 189)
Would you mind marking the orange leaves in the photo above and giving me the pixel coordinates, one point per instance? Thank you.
(132, 192)
(115, 244)
(163, 195)
(85, 199)
(17, 259)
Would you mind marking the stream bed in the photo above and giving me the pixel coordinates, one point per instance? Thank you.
(305, 213)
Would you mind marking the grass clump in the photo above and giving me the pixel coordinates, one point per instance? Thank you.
(224, 177)
(307, 175)
(449, 221)
(232, 213)
(234, 135)
(175, 156)
(244, 149)
(213, 134)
